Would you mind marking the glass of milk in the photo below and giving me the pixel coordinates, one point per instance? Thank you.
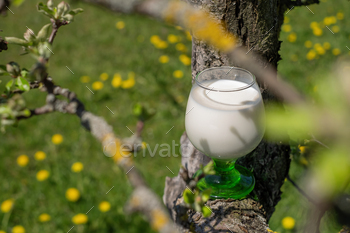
(225, 121)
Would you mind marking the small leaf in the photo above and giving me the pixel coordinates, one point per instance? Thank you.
(76, 11)
(188, 196)
(9, 85)
(5, 110)
(206, 211)
(22, 84)
(43, 33)
(17, 2)
(45, 10)
(15, 40)
(24, 73)
(137, 110)
(206, 195)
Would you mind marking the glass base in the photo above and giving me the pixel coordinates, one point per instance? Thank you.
(236, 183)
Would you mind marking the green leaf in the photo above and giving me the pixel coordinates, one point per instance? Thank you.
(15, 40)
(45, 10)
(43, 33)
(188, 196)
(24, 73)
(206, 195)
(206, 211)
(17, 2)
(9, 85)
(22, 84)
(137, 110)
(76, 11)
(44, 49)
(5, 110)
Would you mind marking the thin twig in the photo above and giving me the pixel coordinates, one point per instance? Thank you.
(301, 191)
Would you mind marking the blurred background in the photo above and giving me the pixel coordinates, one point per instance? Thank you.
(51, 169)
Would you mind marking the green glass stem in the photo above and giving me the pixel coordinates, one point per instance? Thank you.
(229, 181)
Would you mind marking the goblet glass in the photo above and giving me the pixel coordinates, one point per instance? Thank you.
(225, 121)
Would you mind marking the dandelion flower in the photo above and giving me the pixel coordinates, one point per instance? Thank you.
(18, 229)
(340, 15)
(57, 139)
(188, 36)
(155, 39)
(104, 206)
(311, 55)
(181, 47)
(286, 28)
(185, 59)
(327, 21)
(117, 80)
(77, 167)
(143, 145)
(172, 39)
(2, 231)
(42, 175)
(308, 44)
(40, 155)
(164, 59)
(314, 25)
(292, 37)
(326, 45)
(178, 74)
(336, 51)
(7, 205)
(84, 79)
(320, 50)
(120, 25)
(178, 28)
(286, 19)
(302, 149)
(104, 76)
(288, 223)
(80, 219)
(130, 82)
(44, 217)
(97, 85)
(335, 29)
(161, 45)
(333, 19)
(317, 31)
(72, 194)
(22, 160)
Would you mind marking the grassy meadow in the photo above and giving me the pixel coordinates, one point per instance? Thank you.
(125, 60)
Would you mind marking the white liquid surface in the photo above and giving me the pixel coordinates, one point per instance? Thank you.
(225, 125)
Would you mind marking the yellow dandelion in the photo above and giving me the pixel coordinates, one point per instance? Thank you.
(308, 44)
(320, 50)
(172, 39)
(104, 76)
(42, 175)
(292, 37)
(314, 25)
(188, 36)
(159, 220)
(340, 15)
(84, 79)
(7, 205)
(18, 229)
(288, 223)
(185, 59)
(44, 217)
(178, 74)
(155, 39)
(286, 19)
(143, 145)
(311, 55)
(22, 160)
(161, 45)
(327, 21)
(302, 149)
(80, 219)
(326, 45)
(336, 51)
(317, 31)
(2, 231)
(304, 161)
(164, 59)
(129, 83)
(335, 29)
(286, 28)
(97, 85)
(181, 47)
(178, 27)
(120, 25)
(39, 155)
(117, 80)
(72, 194)
(77, 167)
(333, 19)
(294, 57)
(57, 139)
(104, 206)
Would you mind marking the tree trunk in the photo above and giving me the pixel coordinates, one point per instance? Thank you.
(257, 25)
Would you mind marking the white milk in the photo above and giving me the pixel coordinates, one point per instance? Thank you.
(225, 125)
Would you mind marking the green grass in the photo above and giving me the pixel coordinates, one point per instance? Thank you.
(93, 45)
